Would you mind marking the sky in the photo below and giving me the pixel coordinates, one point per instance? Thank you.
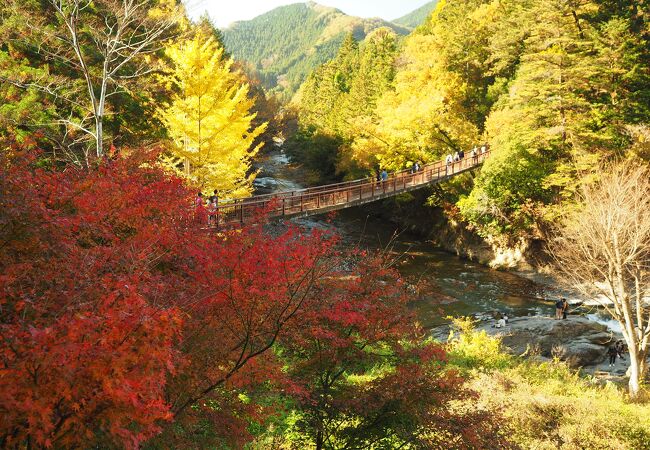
(224, 12)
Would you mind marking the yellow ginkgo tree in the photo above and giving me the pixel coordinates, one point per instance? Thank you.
(209, 119)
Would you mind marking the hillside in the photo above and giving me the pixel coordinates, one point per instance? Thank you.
(284, 45)
(417, 17)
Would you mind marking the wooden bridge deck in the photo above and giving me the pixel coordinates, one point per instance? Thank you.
(322, 199)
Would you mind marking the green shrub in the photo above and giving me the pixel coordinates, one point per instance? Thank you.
(470, 350)
(548, 405)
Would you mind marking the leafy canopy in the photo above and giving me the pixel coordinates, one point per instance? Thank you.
(209, 118)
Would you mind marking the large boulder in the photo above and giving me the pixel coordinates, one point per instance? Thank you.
(577, 340)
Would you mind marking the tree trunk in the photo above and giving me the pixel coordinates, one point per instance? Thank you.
(635, 374)
(643, 366)
(99, 125)
(319, 439)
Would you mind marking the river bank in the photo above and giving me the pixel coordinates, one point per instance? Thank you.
(579, 341)
(452, 270)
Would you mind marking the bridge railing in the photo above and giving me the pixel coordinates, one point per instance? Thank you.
(300, 201)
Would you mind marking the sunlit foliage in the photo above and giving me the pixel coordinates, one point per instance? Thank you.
(209, 118)
(547, 404)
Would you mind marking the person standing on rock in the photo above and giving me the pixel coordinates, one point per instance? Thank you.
(565, 308)
(612, 352)
(620, 349)
(559, 308)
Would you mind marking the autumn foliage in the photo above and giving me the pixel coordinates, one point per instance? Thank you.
(364, 373)
(123, 321)
(117, 311)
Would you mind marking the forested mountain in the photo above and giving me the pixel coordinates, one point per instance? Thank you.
(338, 100)
(287, 43)
(553, 87)
(416, 18)
(131, 320)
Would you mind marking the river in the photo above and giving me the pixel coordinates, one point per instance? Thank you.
(447, 285)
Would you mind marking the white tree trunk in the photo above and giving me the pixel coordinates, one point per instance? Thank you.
(99, 125)
(603, 249)
(634, 374)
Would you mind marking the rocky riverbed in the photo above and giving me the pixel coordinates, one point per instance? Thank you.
(579, 341)
(465, 287)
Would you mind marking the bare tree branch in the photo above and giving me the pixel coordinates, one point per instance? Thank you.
(603, 249)
(104, 42)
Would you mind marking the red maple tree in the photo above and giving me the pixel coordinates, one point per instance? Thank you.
(122, 321)
(363, 373)
(119, 313)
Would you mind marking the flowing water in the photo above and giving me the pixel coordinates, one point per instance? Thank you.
(446, 284)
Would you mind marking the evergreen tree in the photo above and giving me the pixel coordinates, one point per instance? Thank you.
(25, 113)
(375, 73)
(575, 88)
(338, 101)
(322, 96)
(208, 28)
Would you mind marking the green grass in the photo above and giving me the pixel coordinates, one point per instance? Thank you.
(548, 405)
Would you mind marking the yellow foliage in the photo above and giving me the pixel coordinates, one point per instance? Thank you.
(209, 119)
(423, 117)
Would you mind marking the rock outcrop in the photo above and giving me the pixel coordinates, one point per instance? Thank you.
(579, 341)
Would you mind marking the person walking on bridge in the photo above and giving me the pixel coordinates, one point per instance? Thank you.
(212, 212)
(377, 179)
(449, 160)
(384, 176)
(214, 198)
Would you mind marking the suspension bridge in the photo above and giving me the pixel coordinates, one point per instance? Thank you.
(322, 199)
